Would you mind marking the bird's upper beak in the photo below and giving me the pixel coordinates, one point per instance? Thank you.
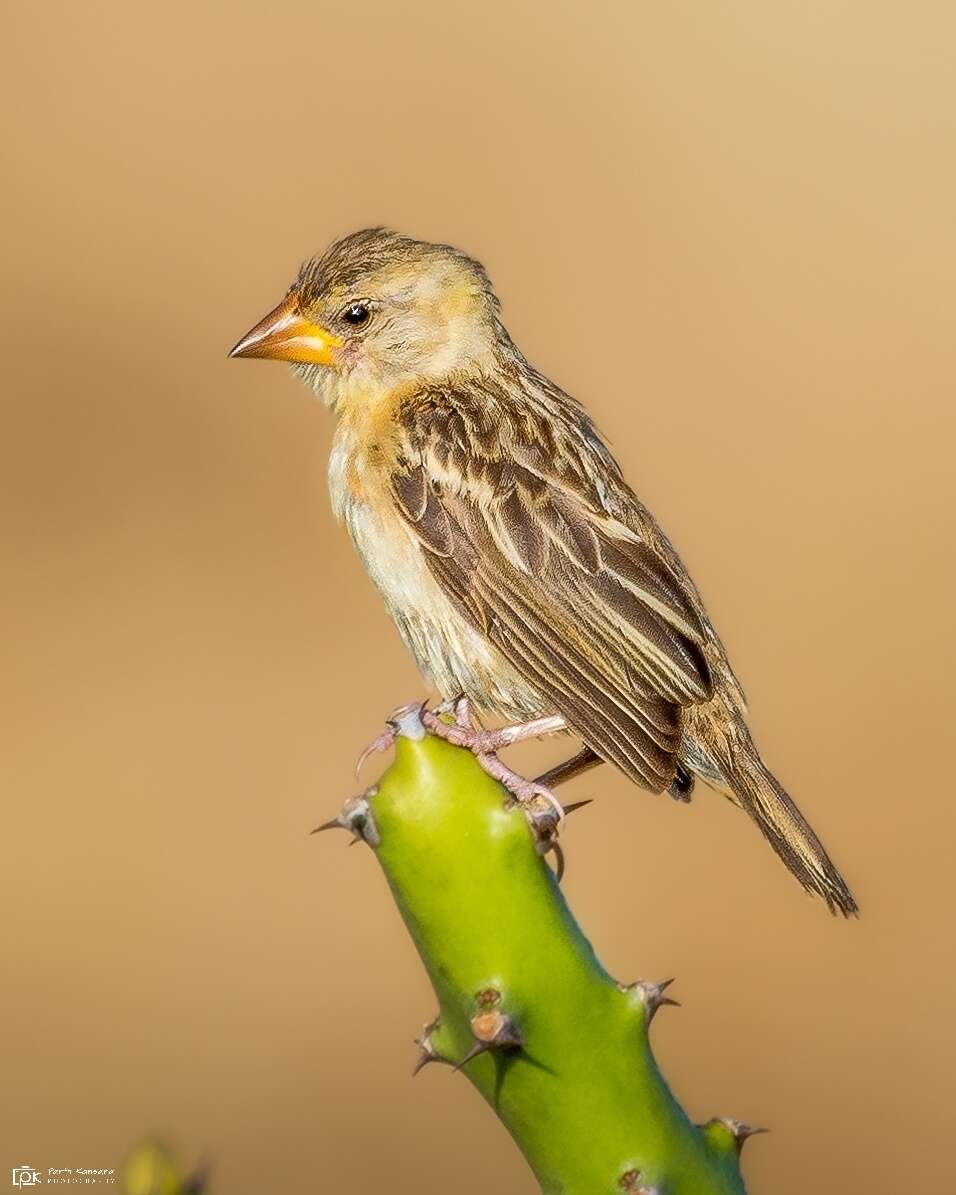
(287, 335)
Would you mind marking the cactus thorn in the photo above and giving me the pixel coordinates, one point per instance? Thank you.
(356, 817)
(743, 1131)
(496, 1029)
(492, 1029)
(652, 995)
(549, 839)
(426, 1054)
(577, 805)
(426, 1049)
(739, 1132)
(422, 1061)
(334, 824)
(559, 858)
(478, 1047)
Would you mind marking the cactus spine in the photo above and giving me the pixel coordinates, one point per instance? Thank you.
(556, 1046)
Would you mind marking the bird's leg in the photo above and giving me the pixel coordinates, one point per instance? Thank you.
(462, 712)
(541, 807)
(462, 733)
(485, 744)
(575, 766)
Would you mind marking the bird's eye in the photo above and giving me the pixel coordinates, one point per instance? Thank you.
(357, 313)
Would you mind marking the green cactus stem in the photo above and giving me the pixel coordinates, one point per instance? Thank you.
(151, 1169)
(557, 1047)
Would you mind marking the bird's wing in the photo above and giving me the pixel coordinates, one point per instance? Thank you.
(514, 529)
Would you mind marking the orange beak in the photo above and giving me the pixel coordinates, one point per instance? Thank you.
(286, 335)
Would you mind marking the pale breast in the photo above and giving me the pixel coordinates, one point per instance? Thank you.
(454, 656)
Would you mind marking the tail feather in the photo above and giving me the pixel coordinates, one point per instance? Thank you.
(786, 829)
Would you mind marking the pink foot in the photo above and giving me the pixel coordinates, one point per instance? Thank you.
(541, 807)
(485, 744)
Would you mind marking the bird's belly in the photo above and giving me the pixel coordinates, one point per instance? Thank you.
(456, 657)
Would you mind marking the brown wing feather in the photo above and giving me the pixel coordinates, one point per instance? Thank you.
(588, 614)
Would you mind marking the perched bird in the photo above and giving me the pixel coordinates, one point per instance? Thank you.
(522, 571)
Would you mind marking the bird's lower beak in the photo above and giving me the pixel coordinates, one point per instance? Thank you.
(287, 335)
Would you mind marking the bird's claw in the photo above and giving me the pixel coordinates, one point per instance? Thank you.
(484, 745)
(540, 805)
(453, 722)
(382, 742)
(407, 720)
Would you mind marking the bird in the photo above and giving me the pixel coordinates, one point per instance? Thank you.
(526, 577)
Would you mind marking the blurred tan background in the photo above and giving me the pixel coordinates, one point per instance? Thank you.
(729, 228)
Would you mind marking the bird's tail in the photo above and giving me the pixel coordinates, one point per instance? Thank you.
(761, 794)
(732, 764)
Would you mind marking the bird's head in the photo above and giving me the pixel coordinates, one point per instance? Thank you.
(376, 311)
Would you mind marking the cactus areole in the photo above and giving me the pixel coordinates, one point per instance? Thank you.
(557, 1047)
